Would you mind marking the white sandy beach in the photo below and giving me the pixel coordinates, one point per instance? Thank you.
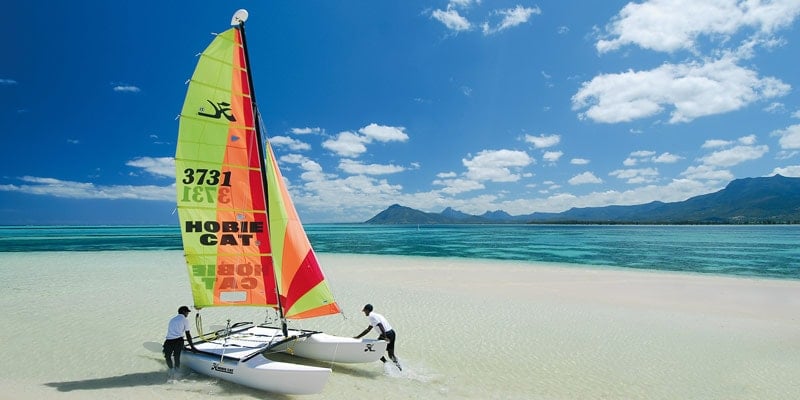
(74, 323)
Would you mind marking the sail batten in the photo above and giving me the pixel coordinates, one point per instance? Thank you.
(210, 86)
(243, 241)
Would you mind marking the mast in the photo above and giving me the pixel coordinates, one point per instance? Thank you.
(238, 20)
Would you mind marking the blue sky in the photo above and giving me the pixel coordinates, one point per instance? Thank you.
(485, 105)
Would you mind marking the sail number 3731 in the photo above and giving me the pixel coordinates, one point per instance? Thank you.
(206, 185)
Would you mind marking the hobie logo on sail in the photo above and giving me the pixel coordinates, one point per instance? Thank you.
(232, 280)
(232, 233)
(221, 108)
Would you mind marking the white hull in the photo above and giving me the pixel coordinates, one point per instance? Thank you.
(307, 344)
(257, 372)
(324, 347)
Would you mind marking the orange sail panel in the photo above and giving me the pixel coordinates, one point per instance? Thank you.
(220, 188)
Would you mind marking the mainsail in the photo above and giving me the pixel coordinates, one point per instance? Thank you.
(243, 241)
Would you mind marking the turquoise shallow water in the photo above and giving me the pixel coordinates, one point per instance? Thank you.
(758, 251)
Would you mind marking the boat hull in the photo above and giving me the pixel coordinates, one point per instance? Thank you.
(324, 347)
(257, 372)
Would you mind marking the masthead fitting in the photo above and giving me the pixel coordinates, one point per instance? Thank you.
(240, 16)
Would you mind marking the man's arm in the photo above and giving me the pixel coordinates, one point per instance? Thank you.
(189, 339)
(366, 331)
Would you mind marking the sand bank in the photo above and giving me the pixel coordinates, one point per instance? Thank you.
(466, 329)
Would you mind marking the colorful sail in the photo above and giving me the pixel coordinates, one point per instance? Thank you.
(220, 189)
(243, 241)
(302, 286)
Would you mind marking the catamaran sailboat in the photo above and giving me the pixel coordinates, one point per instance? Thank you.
(243, 240)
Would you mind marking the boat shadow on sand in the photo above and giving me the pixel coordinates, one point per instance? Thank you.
(157, 378)
(121, 381)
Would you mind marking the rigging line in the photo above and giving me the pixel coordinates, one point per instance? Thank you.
(225, 341)
(198, 322)
(335, 352)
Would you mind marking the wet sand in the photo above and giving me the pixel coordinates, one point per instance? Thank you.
(74, 324)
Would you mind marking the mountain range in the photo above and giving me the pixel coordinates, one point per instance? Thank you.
(767, 200)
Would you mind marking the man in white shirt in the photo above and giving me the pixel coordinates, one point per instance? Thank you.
(177, 328)
(386, 332)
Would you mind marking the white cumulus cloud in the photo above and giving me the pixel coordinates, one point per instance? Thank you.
(688, 91)
(542, 141)
(497, 165)
(789, 137)
(670, 25)
(584, 178)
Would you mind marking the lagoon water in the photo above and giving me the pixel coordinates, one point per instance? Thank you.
(500, 312)
(759, 251)
(741, 250)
